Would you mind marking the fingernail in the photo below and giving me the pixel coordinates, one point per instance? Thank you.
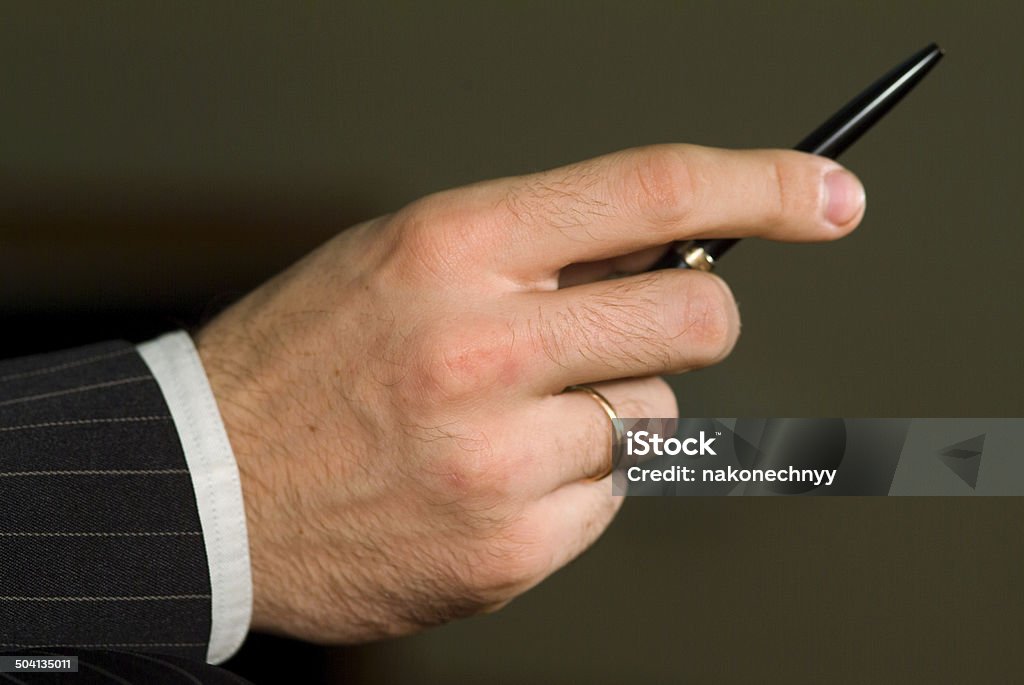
(844, 197)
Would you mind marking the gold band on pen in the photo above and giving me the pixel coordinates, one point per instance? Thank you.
(696, 257)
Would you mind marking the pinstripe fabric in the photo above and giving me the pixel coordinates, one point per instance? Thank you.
(100, 541)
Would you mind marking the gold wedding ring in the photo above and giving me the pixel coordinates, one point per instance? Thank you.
(616, 450)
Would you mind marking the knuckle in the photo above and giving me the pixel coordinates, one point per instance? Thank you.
(793, 188)
(708, 319)
(472, 476)
(660, 183)
(775, 207)
(438, 236)
(444, 207)
(472, 483)
(456, 364)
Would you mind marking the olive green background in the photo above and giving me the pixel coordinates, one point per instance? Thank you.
(158, 159)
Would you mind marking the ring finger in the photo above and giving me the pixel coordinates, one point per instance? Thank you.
(573, 433)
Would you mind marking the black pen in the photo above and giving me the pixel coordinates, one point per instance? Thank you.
(828, 140)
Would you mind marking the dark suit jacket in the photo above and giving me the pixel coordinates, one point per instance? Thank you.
(100, 541)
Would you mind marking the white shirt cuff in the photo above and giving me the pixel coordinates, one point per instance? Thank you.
(175, 363)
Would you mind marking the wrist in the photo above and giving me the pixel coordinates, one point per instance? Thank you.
(229, 369)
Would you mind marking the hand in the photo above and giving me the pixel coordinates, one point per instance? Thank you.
(394, 398)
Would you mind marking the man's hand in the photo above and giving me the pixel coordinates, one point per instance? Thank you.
(394, 398)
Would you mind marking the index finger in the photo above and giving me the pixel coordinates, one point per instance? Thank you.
(643, 197)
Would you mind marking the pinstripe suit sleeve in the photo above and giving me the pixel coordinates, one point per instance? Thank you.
(101, 542)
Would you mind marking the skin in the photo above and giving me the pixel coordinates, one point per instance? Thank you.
(394, 399)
